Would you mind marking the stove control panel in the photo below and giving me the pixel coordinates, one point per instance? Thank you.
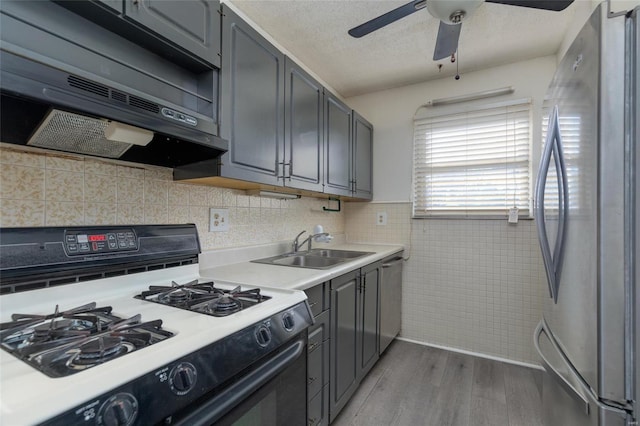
(80, 242)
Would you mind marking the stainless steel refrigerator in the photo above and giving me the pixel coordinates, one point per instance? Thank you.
(587, 210)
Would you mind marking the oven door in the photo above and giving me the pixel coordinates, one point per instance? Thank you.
(274, 393)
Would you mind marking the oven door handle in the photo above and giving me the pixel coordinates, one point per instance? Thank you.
(222, 403)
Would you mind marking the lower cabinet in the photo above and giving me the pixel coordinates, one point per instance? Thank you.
(354, 332)
(318, 357)
(343, 342)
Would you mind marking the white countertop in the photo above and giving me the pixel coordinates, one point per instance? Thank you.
(286, 277)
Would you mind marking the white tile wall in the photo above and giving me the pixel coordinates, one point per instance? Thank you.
(47, 189)
(475, 285)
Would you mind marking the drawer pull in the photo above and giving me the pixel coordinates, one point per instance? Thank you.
(312, 346)
(311, 305)
(311, 422)
(311, 380)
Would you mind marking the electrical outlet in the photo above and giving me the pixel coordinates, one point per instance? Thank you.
(218, 220)
(381, 218)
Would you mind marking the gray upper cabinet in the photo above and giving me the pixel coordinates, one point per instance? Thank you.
(192, 24)
(252, 103)
(338, 152)
(362, 157)
(303, 129)
(272, 112)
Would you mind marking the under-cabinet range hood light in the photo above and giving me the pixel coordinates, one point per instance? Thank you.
(469, 97)
(66, 131)
(273, 194)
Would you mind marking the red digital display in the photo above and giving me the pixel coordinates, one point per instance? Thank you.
(97, 237)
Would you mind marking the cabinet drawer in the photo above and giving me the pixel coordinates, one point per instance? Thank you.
(316, 296)
(318, 408)
(321, 327)
(315, 337)
(315, 369)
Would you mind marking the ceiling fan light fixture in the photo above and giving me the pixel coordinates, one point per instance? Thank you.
(452, 12)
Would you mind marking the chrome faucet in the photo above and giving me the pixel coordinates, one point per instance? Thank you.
(295, 246)
(311, 237)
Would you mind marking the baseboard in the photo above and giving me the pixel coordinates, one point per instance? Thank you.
(478, 354)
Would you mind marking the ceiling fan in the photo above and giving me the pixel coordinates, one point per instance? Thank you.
(451, 13)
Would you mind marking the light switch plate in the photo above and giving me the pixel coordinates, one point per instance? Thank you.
(381, 218)
(218, 220)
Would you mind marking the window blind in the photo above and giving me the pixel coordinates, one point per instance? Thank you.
(473, 163)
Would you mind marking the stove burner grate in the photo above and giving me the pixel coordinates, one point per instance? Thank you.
(64, 343)
(203, 297)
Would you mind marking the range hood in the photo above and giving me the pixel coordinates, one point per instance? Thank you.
(70, 85)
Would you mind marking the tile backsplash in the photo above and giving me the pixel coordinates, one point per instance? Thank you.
(47, 189)
(474, 285)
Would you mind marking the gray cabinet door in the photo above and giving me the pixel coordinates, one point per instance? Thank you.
(362, 157)
(368, 313)
(192, 24)
(344, 341)
(303, 135)
(252, 103)
(337, 147)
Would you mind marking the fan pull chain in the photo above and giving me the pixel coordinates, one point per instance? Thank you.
(453, 59)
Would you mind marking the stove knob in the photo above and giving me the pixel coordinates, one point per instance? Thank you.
(183, 378)
(119, 410)
(263, 335)
(288, 322)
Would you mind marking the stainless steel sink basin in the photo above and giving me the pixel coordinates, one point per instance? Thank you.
(342, 254)
(314, 259)
(306, 261)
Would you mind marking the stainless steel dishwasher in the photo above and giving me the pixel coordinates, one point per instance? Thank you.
(390, 299)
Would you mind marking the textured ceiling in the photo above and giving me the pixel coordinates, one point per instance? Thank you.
(315, 31)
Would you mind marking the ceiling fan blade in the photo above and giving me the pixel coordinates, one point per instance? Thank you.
(447, 41)
(553, 5)
(387, 18)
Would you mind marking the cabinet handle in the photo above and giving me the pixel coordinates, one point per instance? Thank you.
(311, 380)
(311, 305)
(311, 422)
(313, 346)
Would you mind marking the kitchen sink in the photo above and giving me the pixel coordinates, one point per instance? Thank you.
(306, 261)
(314, 259)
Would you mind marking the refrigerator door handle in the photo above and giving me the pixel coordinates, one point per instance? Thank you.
(538, 208)
(552, 261)
(568, 387)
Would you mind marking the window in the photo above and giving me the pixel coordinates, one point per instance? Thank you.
(473, 163)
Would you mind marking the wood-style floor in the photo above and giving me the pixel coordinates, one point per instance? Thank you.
(416, 385)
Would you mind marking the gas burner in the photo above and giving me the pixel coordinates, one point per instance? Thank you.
(64, 343)
(222, 306)
(203, 297)
(99, 350)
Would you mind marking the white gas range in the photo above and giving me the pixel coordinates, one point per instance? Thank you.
(94, 352)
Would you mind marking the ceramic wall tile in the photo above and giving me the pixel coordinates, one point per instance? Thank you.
(22, 183)
(131, 172)
(21, 213)
(64, 214)
(21, 158)
(100, 213)
(179, 194)
(63, 162)
(198, 195)
(96, 167)
(129, 190)
(99, 188)
(63, 185)
(156, 192)
(156, 213)
(130, 213)
(158, 173)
